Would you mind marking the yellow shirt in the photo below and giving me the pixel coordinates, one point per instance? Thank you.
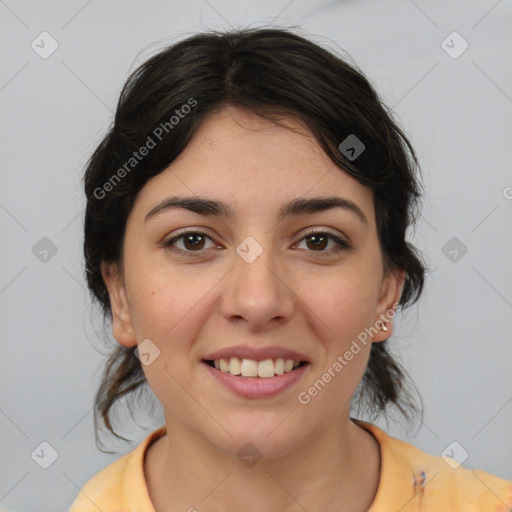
(410, 480)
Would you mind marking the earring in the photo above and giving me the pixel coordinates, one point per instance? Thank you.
(385, 327)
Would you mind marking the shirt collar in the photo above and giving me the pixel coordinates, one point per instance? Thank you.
(392, 494)
(135, 494)
(396, 489)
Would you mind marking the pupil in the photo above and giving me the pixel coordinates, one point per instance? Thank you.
(317, 237)
(192, 244)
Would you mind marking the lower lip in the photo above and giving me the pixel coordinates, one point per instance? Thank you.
(257, 387)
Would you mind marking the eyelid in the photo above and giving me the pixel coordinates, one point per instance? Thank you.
(168, 242)
(327, 231)
(342, 244)
(341, 241)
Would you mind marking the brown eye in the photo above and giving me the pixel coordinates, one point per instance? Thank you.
(191, 242)
(318, 242)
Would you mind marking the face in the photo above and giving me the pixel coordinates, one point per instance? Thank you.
(309, 281)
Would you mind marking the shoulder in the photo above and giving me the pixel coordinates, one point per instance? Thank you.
(445, 483)
(432, 482)
(119, 486)
(103, 490)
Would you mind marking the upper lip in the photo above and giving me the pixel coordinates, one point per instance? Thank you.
(257, 354)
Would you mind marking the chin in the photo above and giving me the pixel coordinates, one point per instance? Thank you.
(270, 439)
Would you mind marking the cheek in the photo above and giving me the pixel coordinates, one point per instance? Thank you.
(164, 310)
(159, 307)
(344, 306)
(167, 303)
(345, 300)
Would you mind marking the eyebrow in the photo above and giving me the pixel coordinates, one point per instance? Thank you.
(299, 206)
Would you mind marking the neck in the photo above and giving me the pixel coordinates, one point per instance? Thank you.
(341, 466)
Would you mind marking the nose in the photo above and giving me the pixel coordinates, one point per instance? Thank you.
(257, 293)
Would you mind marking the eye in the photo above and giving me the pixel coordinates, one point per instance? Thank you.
(192, 241)
(319, 240)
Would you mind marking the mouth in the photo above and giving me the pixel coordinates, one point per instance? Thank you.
(251, 368)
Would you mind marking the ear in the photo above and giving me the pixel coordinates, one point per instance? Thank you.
(122, 328)
(391, 291)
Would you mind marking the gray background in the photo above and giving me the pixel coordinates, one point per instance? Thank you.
(457, 112)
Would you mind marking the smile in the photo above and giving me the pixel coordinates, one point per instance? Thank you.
(265, 369)
(247, 381)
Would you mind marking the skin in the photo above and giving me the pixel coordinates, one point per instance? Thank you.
(293, 295)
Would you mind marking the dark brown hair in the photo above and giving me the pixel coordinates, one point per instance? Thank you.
(273, 73)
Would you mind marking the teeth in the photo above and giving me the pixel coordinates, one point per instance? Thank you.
(248, 368)
(266, 368)
(279, 366)
(234, 366)
(251, 368)
(224, 367)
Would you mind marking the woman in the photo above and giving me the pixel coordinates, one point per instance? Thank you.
(245, 233)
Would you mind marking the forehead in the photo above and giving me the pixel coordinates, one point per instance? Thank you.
(255, 165)
(233, 132)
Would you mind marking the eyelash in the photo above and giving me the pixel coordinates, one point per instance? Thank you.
(342, 245)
